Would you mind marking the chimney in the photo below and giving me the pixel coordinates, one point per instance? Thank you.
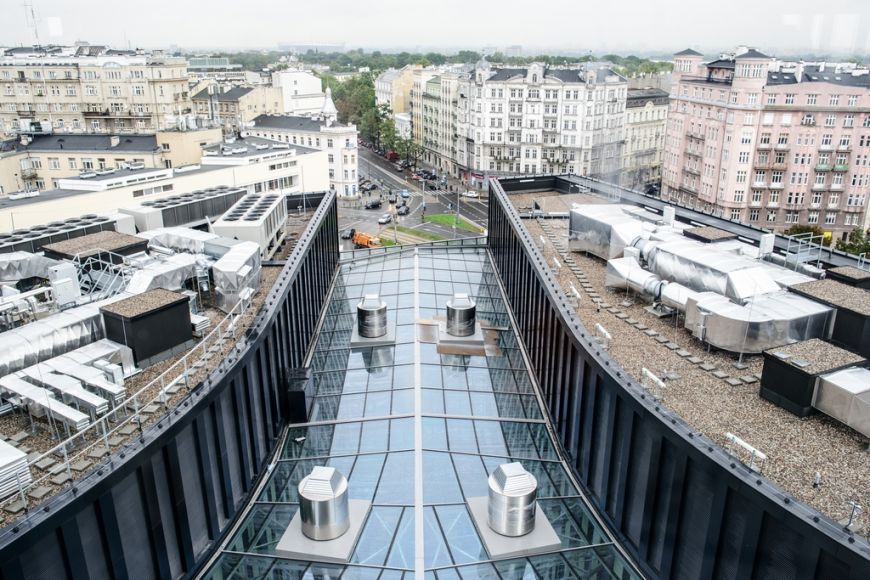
(114, 141)
(513, 504)
(371, 316)
(323, 504)
(460, 315)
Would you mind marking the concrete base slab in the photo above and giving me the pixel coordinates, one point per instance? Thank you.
(542, 539)
(357, 341)
(297, 546)
(475, 339)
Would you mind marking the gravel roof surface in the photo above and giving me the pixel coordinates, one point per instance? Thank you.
(822, 356)
(836, 294)
(796, 447)
(851, 272)
(145, 302)
(93, 243)
(708, 234)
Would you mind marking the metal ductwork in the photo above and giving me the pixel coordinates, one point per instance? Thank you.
(512, 505)
(371, 316)
(323, 504)
(461, 315)
(845, 396)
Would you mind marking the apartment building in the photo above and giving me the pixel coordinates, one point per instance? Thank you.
(439, 106)
(32, 163)
(90, 89)
(646, 117)
(323, 133)
(419, 78)
(302, 91)
(220, 69)
(235, 108)
(540, 119)
(258, 165)
(774, 145)
(393, 88)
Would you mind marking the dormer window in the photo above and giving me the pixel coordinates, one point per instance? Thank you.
(534, 78)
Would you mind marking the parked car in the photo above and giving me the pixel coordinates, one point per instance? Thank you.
(393, 156)
(399, 167)
(373, 204)
(472, 194)
(385, 219)
(348, 233)
(406, 194)
(403, 210)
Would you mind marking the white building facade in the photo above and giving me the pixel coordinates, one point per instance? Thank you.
(302, 91)
(321, 132)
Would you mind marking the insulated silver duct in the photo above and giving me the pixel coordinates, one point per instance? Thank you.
(461, 315)
(513, 495)
(371, 316)
(323, 504)
(845, 396)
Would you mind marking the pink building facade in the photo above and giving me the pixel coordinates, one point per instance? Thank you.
(768, 146)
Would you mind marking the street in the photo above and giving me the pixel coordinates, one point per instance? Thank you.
(352, 214)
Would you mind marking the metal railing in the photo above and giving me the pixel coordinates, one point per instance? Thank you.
(147, 405)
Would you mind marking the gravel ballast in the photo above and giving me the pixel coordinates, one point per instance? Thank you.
(796, 448)
(836, 294)
(819, 355)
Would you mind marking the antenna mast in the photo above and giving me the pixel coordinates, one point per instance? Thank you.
(31, 13)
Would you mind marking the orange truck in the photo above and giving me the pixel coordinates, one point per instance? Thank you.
(364, 240)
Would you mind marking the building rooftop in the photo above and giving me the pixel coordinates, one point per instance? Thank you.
(688, 52)
(417, 432)
(232, 95)
(752, 53)
(94, 142)
(836, 294)
(565, 75)
(145, 302)
(249, 146)
(816, 356)
(639, 97)
(291, 123)
(90, 244)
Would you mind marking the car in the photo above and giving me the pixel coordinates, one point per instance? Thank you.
(392, 198)
(399, 167)
(406, 194)
(348, 233)
(385, 219)
(373, 204)
(472, 194)
(403, 210)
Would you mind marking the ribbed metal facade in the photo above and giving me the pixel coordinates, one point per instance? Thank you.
(682, 507)
(157, 509)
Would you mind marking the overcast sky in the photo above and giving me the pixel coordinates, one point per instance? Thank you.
(828, 26)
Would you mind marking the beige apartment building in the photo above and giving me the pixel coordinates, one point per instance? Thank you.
(235, 108)
(33, 163)
(393, 88)
(770, 144)
(91, 89)
(646, 118)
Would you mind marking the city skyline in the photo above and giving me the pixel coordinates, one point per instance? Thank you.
(839, 30)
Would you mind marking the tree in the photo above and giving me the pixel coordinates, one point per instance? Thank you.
(858, 242)
(808, 229)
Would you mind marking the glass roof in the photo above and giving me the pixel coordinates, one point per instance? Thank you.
(416, 433)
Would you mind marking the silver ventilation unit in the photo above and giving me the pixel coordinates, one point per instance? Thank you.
(512, 500)
(323, 504)
(461, 315)
(371, 316)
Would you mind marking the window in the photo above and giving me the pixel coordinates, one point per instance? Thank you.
(776, 177)
(138, 90)
(735, 214)
(789, 98)
(738, 196)
(753, 215)
(771, 99)
(774, 198)
(853, 100)
(811, 99)
(756, 196)
(813, 217)
(830, 218)
(53, 163)
(741, 176)
(743, 157)
(848, 120)
(791, 217)
(771, 216)
(834, 200)
(87, 163)
(834, 101)
(71, 161)
(830, 120)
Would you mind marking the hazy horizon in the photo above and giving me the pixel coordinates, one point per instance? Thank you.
(451, 25)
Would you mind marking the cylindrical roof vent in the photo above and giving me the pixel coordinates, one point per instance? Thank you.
(371, 316)
(513, 493)
(461, 315)
(323, 504)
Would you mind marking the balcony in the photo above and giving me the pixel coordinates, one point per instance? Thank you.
(837, 187)
(841, 167)
(782, 146)
(822, 167)
(103, 113)
(826, 147)
(760, 185)
(691, 170)
(776, 185)
(844, 147)
(763, 146)
(28, 174)
(779, 165)
(819, 187)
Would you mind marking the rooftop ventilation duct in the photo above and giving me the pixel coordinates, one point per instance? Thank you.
(513, 495)
(461, 315)
(371, 316)
(323, 504)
